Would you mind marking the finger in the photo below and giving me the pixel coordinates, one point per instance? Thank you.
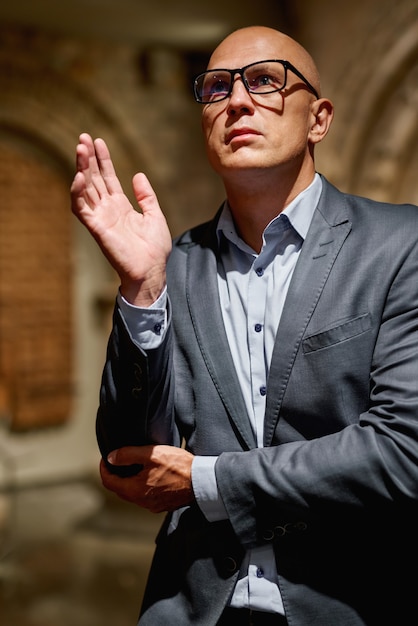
(77, 190)
(115, 483)
(81, 198)
(131, 489)
(130, 455)
(145, 194)
(94, 171)
(98, 168)
(109, 480)
(78, 184)
(88, 169)
(86, 155)
(107, 170)
(82, 157)
(104, 472)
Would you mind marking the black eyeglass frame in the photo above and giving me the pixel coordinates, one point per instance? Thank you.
(240, 70)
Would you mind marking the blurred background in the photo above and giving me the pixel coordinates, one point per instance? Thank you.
(122, 69)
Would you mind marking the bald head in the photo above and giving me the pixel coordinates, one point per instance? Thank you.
(258, 43)
(261, 128)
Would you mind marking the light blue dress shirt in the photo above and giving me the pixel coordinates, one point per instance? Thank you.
(252, 290)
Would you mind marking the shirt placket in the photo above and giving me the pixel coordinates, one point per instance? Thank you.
(256, 306)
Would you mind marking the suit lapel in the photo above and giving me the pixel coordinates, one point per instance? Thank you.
(203, 301)
(326, 235)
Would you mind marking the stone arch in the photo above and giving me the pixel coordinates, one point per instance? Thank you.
(52, 111)
(42, 112)
(377, 100)
(385, 143)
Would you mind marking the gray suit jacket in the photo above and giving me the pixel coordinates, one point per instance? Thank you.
(335, 488)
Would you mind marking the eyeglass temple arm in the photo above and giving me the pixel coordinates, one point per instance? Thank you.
(301, 76)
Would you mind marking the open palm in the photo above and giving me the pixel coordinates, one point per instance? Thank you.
(137, 244)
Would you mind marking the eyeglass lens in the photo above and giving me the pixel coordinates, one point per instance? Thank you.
(263, 77)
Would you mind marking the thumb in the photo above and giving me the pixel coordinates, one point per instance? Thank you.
(145, 194)
(129, 455)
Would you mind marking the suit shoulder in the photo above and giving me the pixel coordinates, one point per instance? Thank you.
(363, 210)
(379, 207)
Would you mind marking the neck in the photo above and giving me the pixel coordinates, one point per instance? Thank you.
(258, 198)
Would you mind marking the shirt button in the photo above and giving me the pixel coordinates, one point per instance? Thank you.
(259, 271)
(257, 328)
(260, 572)
(263, 390)
(157, 329)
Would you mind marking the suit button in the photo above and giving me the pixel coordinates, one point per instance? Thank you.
(230, 564)
(290, 528)
(137, 389)
(268, 534)
(138, 372)
(280, 531)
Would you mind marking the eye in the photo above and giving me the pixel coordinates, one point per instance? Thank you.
(263, 79)
(219, 86)
(266, 78)
(215, 85)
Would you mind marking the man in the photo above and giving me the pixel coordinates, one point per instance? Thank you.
(279, 344)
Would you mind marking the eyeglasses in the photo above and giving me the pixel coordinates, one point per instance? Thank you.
(261, 77)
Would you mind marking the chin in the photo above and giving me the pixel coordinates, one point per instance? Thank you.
(238, 160)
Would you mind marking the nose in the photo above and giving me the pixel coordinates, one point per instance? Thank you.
(239, 99)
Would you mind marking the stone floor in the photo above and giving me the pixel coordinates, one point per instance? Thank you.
(72, 555)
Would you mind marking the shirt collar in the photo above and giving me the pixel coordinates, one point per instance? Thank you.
(299, 213)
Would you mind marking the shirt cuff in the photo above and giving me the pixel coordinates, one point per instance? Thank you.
(147, 325)
(206, 489)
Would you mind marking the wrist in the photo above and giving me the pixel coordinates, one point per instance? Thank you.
(142, 293)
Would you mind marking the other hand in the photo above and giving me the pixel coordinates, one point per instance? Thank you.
(164, 483)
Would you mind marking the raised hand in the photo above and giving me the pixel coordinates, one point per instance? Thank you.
(137, 244)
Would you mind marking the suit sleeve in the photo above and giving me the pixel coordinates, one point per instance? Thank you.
(136, 394)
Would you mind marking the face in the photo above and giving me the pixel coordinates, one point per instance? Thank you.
(252, 131)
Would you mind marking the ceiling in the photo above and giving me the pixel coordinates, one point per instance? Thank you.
(186, 23)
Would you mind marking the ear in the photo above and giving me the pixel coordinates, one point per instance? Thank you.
(322, 112)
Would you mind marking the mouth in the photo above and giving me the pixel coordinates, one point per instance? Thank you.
(240, 134)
